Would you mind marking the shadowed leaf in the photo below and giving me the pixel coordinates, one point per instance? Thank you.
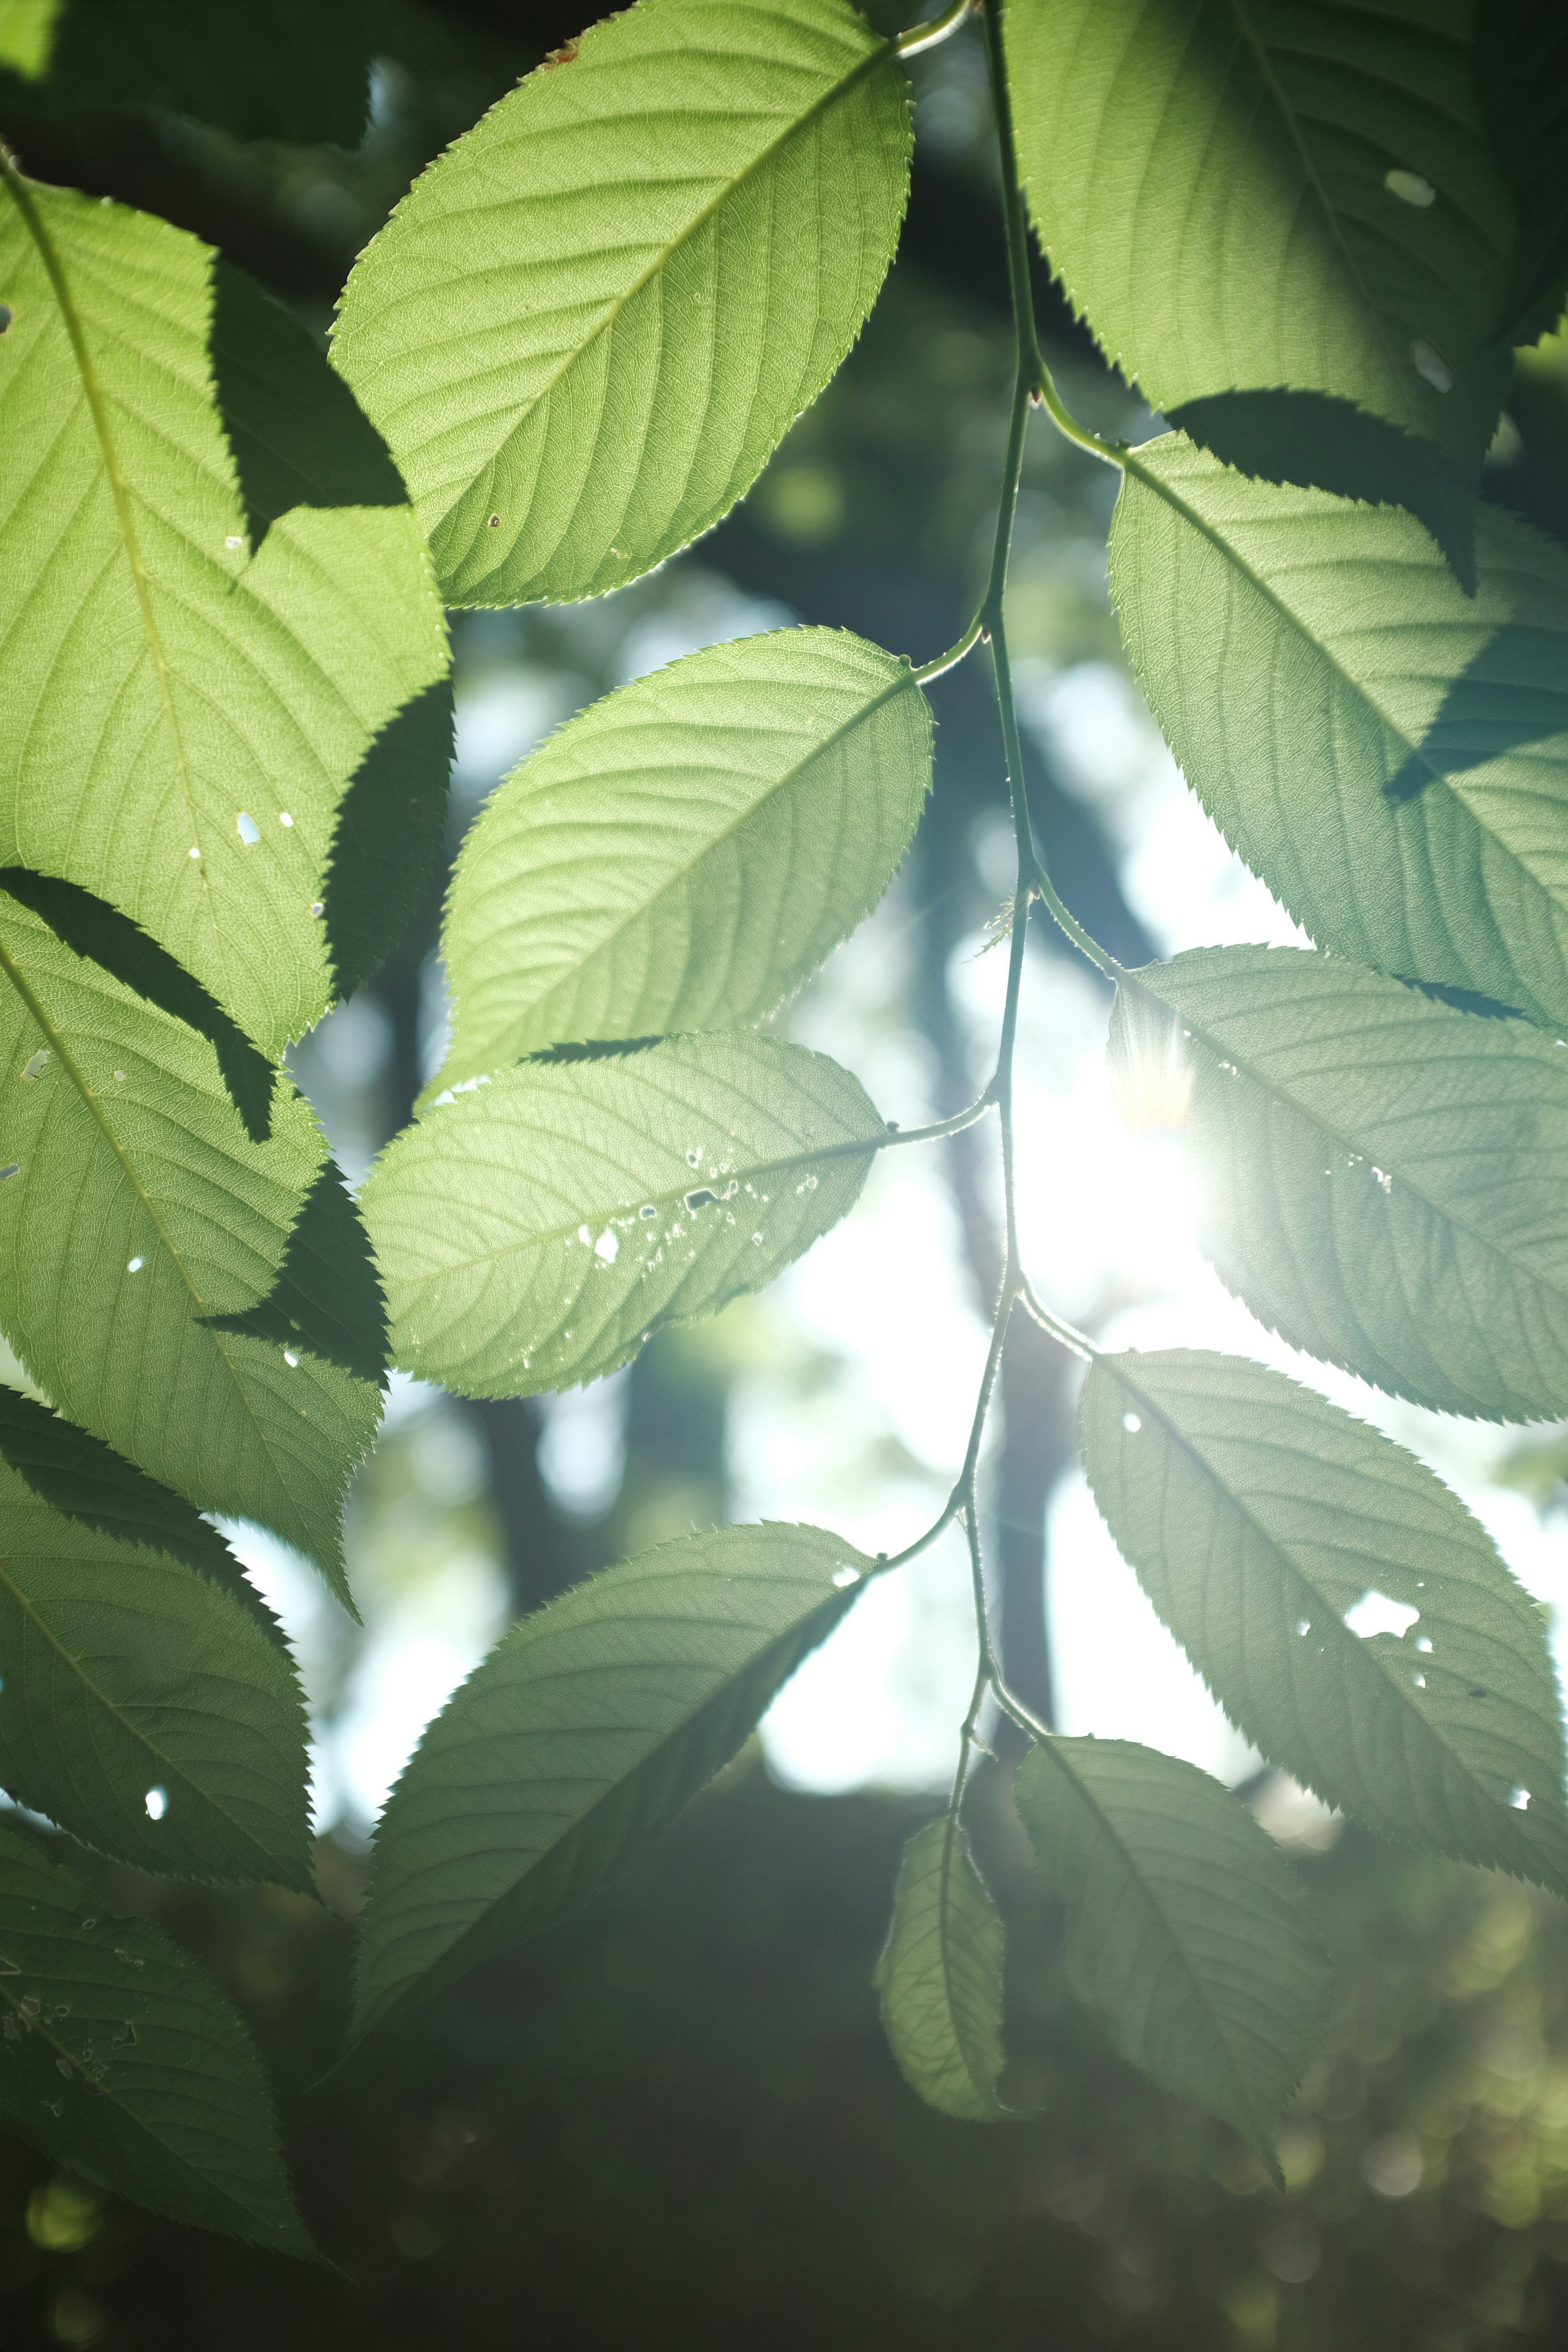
(583, 1733)
(1189, 1935)
(940, 1977)
(122, 2059)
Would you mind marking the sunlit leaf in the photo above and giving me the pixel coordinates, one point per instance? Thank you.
(588, 325)
(687, 851)
(96, 930)
(119, 2056)
(132, 1204)
(940, 1977)
(534, 1230)
(1382, 1178)
(1189, 1935)
(583, 1733)
(141, 1707)
(182, 713)
(1282, 1542)
(27, 34)
(1389, 753)
(1249, 199)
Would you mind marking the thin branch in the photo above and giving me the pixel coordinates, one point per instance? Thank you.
(918, 38)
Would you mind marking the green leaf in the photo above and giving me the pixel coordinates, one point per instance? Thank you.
(1247, 195)
(94, 929)
(326, 1296)
(1259, 1518)
(126, 1676)
(940, 1977)
(586, 328)
(297, 436)
(79, 1475)
(580, 1737)
(1382, 1177)
(391, 834)
(1389, 754)
(131, 1205)
(167, 690)
(119, 2057)
(28, 34)
(532, 1231)
(270, 69)
(1189, 1934)
(684, 854)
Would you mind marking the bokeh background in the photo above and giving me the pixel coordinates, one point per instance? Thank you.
(673, 2122)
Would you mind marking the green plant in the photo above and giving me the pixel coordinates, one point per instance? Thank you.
(1312, 236)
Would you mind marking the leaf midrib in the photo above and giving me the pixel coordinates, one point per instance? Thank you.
(1173, 1941)
(90, 1097)
(448, 1961)
(983, 2088)
(1253, 42)
(1558, 1288)
(628, 1210)
(177, 1772)
(762, 161)
(1351, 1644)
(671, 880)
(139, 2122)
(1230, 554)
(98, 407)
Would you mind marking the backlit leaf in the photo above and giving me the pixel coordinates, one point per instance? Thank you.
(132, 1204)
(1189, 1935)
(1382, 1178)
(588, 325)
(182, 713)
(1260, 200)
(582, 1735)
(141, 1707)
(1389, 754)
(1282, 1542)
(534, 1230)
(27, 34)
(687, 851)
(119, 2057)
(78, 1475)
(940, 1977)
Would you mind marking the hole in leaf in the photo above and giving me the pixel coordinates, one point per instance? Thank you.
(1410, 188)
(1430, 365)
(248, 829)
(14, 1169)
(1520, 1800)
(157, 1802)
(134, 1265)
(1131, 1423)
(1374, 1612)
(700, 1197)
(37, 1063)
(843, 1576)
(6, 315)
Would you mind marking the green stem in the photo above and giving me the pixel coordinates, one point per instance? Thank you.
(917, 38)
